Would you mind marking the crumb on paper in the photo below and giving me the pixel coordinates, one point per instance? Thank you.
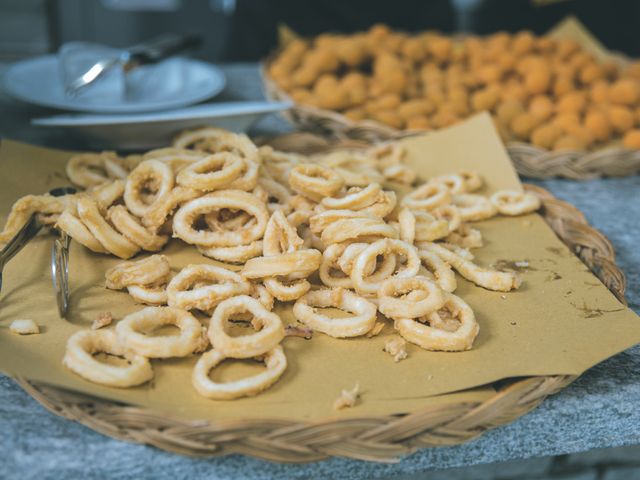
(298, 331)
(504, 297)
(521, 264)
(24, 327)
(347, 398)
(102, 320)
(377, 328)
(397, 348)
(526, 223)
(429, 377)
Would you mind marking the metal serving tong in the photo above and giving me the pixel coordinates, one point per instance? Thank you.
(59, 253)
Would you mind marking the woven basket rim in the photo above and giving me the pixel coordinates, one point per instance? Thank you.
(383, 438)
(530, 160)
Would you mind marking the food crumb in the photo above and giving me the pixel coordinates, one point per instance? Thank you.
(526, 223)
(102, 320)
(521, 264)
(24, 327)
(298, 331)
(375, 330)
(396, 347)
(347, 398)
(504, 297)
(429, 377)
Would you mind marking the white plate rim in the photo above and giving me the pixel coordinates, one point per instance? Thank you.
(227, 109)
(215, 88)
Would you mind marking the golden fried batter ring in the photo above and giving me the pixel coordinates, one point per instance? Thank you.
(131, 228)
(26, 206)
(149, 294)
(314, 181)
(301, 262)
(107, 193)
(473, 207)
(454, 183)
(438, 336)
(514, 203)
(239, 254)
(158, 214)
(147, 271)
(79, 358)
(110, 239)
(383, 205)
(441, 271)
(427, 197)
(466, 237)
(131, 332)
(73, 226)
(91, 169)
(212, 173)
(359, 324)
(473, 180)
(483, 277)
(248, 179)
(280, 236)
(279, 164)
(421, 226)
(449, 213)
(400, 173)
(277, 196)
(321, 221)
(354, 199)
(275, 361)
(357, 228)
(146, 185)
(204, 286)
(270, 330)
(286, 290)
(394, 303)
(231, 199)
(214, 140)
(176, 158)
(364, 285)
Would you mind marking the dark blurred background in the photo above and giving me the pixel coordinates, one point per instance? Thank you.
(246, 30)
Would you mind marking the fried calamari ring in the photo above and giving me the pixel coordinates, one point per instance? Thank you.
(420, 226)
(360, 323)
(319, 222)
(26, 206)
(514, 203)
(159, 213)
(211, 173)
(473, 180)
(275, 361)
(110, 239)
(147, 271)
(73, 226)
(473, 207)
(441, 271)
(454, 183)
(483, 277)
(176, 158)
(270, 330)
(330, 258)
(278, 164)
(314, 181)
(231, 199)
(466, 237)
(277, 196)
(375, 270)
(146, 185)
(427, 197)
(239, 254)
(394, 303)
(286, 290)
(364, 285)
(131, 228)
(449, 213)
(149, 294)
(301, 262)
(248, 179)
(353, 229)
(384, 204)
(79, 358)
(433, 336)
(90, 169)
(354, 199)
(132, 332)
(214, 140)
(280, 236)
(204, 286)
(106, 194)
(400, 173)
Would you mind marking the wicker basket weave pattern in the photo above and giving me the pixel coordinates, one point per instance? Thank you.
(382, 438)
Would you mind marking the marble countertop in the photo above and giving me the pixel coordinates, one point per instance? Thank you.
(600, 409)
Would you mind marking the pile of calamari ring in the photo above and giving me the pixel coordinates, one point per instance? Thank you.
(319, 231)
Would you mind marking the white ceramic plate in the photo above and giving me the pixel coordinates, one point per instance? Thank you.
(39, 81)
(151, 130)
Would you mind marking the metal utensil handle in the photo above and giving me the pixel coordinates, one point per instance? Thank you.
(162, 47)
(60, 271)
(20, 239)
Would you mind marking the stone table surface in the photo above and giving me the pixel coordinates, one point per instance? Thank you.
(600, 409)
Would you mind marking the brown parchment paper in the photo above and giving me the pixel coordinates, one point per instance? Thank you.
(562, 320)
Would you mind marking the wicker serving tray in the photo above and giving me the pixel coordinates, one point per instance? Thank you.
(382, 438)
(529, 160)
